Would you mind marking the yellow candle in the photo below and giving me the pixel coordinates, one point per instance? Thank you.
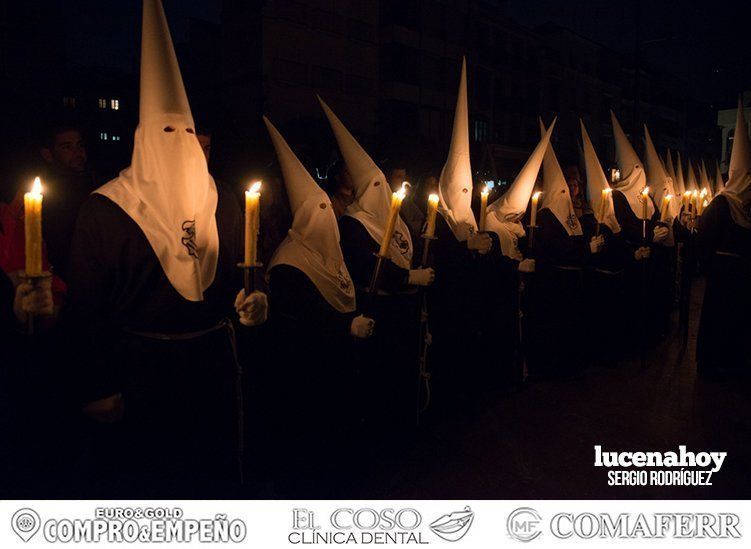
(396, 203)
(484, 206)
(644, 199)
(704, 205)
(604, 204)
(252, 222)
(32, 208)
(535, 200)
(687, 201)
(665, 205)
(432, 210)
(695, 199)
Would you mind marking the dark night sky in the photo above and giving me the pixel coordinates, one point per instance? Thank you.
(704, 43)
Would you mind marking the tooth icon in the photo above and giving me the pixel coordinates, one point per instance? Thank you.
(454, 526)
(25, 523)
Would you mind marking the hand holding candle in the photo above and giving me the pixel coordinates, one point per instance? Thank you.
(432, 210)
(252, 221)
(483, 207)
(396, 203)
(32, 205)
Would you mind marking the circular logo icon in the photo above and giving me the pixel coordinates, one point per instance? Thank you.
(25, 523)
(523, 524)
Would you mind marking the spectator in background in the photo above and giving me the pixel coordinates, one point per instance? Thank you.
(339, 187)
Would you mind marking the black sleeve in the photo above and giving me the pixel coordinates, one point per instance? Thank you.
(87, 321)
(294, 297)
(8, 327)
(448, 252)
(359, 251)
(710, 229)
(555, 245)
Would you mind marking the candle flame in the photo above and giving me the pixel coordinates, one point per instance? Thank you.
(486, 190)
(668, 197)
(433, 198)
(255, 188)
(703, 192)
(401, 193)
(687, 193)
(536, 196)
(695, 193)
(706, 203)
(645, 192)
(36, 187)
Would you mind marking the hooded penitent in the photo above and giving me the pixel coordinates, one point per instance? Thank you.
(455, 184)
(312, 243)
(738, 188)
(372, 193)
(596, 183)
(555, 193)
(659, 181)
(504, 214)
(633, 179)
(719, 184)
(167, 190)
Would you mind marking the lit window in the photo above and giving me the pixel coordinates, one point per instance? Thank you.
(102, 103)
(115, 138)
(103, 136)
(115, 104)
(69, 102)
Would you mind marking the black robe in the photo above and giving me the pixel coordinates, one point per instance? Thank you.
(386, 362)
(557, 311)
(309, 399)
(722, 345)
(180, 427)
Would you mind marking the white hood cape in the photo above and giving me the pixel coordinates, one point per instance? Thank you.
(633, 179)
(372, 202)
(556, 196)
(312, 243)
(455, 183)
(738, 188)
(596, 183)
(504, 215)
(167, 190)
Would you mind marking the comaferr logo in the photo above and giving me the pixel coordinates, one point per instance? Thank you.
(657, 525)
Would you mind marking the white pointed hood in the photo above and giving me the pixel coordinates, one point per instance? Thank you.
(596, 183)
(704, 182)
(504, 215)
(738, 188)
(633, 179)
(691, 184)
(679, 179)
(670, 167)
(372, 202)
(555, 194)
(719, 184)
(659, 181)
(312, 243)
(167, 190)
(455, 183)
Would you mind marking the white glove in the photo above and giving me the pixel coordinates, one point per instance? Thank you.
(527, 266)
(660, 234)
(362, 327)
(421, 277)
(642, 253)
(480, 242)
(35, 300)
(253, 309)
(596, 244)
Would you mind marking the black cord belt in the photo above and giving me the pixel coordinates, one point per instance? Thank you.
(179, 336)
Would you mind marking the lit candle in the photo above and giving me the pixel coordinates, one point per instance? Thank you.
(665, 204)
(484, 206)
(687, 201)
(644, 199)
(695, 199)
(32, 209)
(396, 203)
(252, 221)
(704, 205)
(432, 210)
(604, 204)
(535, 200)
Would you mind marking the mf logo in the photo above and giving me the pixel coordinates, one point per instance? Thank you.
(523, 524)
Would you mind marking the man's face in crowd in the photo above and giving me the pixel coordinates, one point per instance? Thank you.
(573, 180)
(67, 150)
(344, 179)
(205, 142)
(396, 177)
